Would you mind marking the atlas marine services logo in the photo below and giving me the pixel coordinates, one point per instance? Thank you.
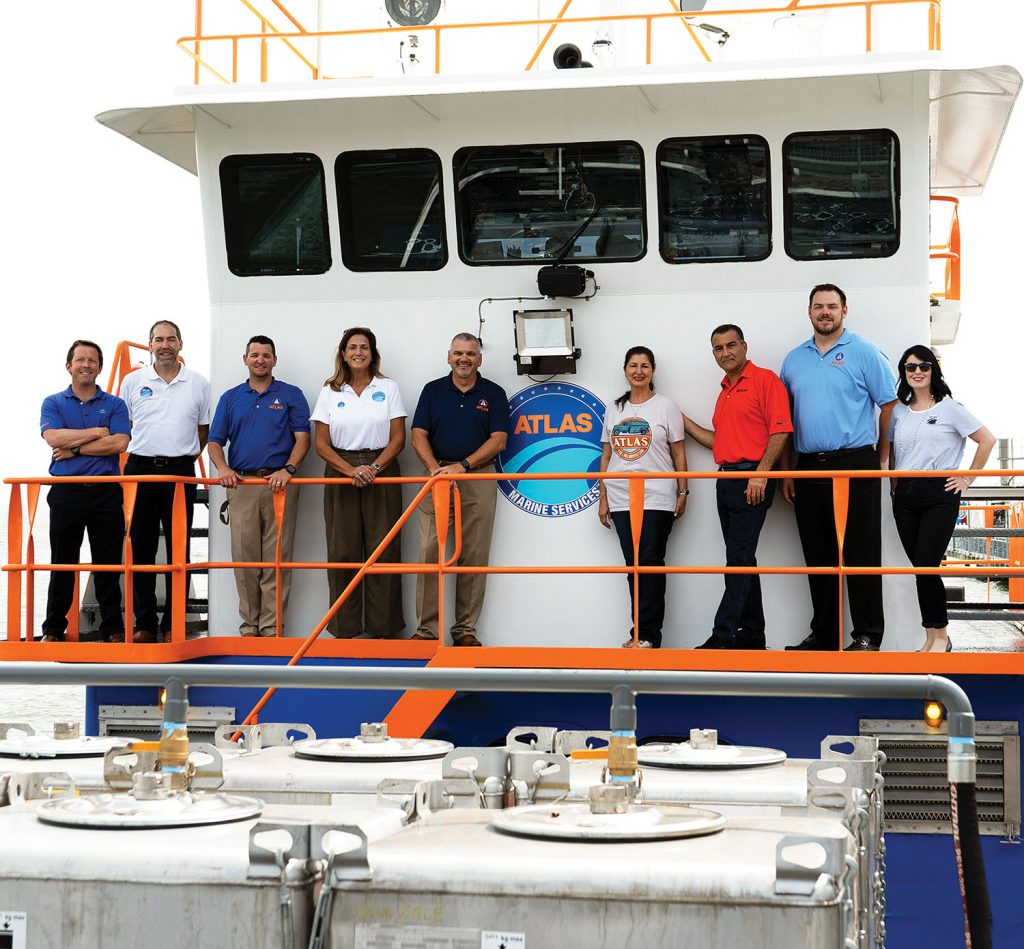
(552, 427)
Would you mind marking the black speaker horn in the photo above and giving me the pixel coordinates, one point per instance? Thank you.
(568, 56)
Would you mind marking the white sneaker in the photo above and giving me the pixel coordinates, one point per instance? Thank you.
(641, 644)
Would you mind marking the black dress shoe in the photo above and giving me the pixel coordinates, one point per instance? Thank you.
(715, 642)
(746, 640)
(862, 644)
(810, 643)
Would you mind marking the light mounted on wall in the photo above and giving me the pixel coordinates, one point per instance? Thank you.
(545, 342)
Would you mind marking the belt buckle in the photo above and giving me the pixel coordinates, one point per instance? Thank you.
(159, 461)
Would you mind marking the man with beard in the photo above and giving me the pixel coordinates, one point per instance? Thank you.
(169, 407)
(835, 380)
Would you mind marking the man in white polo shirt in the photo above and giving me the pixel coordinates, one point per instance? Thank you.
(169, 407)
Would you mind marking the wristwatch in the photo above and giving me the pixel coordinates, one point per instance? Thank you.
(465, 463)
(375, 466)
(682, 492)
(291, 469)
(77, 450)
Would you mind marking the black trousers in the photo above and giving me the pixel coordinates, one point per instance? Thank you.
(739, 621)
(862, 548)
(153, 507)
(925, 514)
(654, 531)
(77, 509)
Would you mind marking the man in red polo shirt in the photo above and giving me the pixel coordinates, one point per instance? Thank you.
(751, 425)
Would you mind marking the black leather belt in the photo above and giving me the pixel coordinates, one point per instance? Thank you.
(839, 453)
(738, 466)
(258, 473)
(164, 461)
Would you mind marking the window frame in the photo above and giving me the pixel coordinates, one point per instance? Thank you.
(267, 158)
(346, 223)
(787, 201)
(546, 261)
(768, 200)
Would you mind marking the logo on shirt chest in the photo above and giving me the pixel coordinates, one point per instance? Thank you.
(146, 392)
(276, 405)
(631, 438)
(378, 397)
(483, 406)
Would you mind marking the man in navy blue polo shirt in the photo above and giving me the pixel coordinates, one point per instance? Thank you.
(265, 422)
(87, 429)
(461, 424)
(835, 382)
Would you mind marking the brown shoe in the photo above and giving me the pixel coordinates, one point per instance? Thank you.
(50, 638)
(468, 640)
(424, 636)
(145, 636)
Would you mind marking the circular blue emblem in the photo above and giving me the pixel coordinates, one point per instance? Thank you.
(378, 397)
(145, 391)
(552, 427)
(341, 405)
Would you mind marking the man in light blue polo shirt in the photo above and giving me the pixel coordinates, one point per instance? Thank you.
(86, 429)
(835, 382)
(265, 422)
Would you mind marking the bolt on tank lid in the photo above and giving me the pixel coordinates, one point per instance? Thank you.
(373, 731)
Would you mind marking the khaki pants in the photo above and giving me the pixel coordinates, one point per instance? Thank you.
(357, 521)
(478, 503)
(254, 538)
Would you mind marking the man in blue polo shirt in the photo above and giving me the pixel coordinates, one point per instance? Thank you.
(461, 424)
(265, 422)
(86, 429)
(835, 381)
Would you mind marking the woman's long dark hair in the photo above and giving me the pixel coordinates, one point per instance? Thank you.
(342, 373)
(938, 384)
(630, 353)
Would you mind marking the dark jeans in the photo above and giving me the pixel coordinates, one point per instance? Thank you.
(862, 548)
(153, 507)
(925, 516)
(654, 531)
(74, 510)
(739, 621)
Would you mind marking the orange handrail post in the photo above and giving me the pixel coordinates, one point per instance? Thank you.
(636, 524)
(177, 560)
(867, 27)
(199, 32)
(841, 507)
(130, 490)
(32, 495)
(441, 493)
(280, 499)
(14, 527)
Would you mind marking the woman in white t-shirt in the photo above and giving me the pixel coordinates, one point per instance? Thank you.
(359, 426)
(643, 431)
(928, 432)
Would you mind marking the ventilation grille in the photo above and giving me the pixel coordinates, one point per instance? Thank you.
(916, 789)
(143, 721)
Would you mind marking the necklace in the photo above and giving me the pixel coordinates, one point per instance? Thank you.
(903, 449)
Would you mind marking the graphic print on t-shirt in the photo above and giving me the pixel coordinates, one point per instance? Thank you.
(631, 438)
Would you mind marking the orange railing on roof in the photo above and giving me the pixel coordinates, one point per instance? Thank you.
(304, 44)
(949, 251)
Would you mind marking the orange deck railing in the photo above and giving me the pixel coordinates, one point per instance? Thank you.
(22, 566)
(303, 43)
(949, 251)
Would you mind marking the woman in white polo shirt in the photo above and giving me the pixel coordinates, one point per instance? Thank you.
(928, 431)
(359, 424)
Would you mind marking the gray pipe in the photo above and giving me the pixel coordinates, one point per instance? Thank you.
(960, 714)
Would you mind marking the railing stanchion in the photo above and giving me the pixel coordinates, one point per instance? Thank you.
(840, 507)
(636, 525)
(129, 490)
(14, 558)
(177, 560)
(32, 494)
(280, 500)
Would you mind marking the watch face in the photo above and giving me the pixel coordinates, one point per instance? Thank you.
(290, 469)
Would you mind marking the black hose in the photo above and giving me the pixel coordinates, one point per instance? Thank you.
(970, 866)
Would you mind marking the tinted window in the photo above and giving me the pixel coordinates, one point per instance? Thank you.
(275, 214)
(713, 199)
(392, 215)
(530, 203)
(842, 194)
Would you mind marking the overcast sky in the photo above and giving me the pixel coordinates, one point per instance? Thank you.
(101, 237)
